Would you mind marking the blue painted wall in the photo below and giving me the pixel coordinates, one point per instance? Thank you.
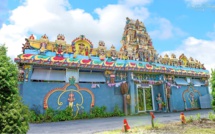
(176, 99)
(33, 93)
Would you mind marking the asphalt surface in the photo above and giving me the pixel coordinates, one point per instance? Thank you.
(90, 126)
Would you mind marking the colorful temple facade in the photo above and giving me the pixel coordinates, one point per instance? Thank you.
(54, 74)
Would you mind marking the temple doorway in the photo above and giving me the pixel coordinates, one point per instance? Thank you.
(145, 98)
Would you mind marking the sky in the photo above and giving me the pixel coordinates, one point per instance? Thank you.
(175, 26)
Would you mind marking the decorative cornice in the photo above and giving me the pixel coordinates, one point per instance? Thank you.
(111, 66)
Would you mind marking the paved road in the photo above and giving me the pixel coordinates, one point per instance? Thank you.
(90, 126)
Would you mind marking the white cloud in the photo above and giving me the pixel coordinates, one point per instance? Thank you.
(196, 2)
(45, 16)
(165, 29)
(202, 50)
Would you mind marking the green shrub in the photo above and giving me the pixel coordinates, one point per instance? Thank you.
(211, 116)
(13, 113)
(212, 81)
(117, 111)
(51, 115)
(98, 111)
(190, 119)
(198, 117)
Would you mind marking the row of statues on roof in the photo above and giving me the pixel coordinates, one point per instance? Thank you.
(59, 46)
(139, 54)
(125, 53)
(136, 45)
(181, 61)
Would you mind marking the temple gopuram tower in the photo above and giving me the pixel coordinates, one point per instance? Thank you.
(136, 42)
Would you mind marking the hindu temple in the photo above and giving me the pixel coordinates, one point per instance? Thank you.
(59, 74)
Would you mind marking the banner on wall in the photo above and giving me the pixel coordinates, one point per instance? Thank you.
(72, 73)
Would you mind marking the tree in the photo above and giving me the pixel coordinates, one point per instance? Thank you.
(213, 87)
(13, 113)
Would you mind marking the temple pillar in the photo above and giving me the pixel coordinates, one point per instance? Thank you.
(132, 93)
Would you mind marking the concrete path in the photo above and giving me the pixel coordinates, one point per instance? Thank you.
(89, 126)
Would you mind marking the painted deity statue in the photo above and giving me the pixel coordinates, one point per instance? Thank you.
(59, 50)
(43, 44)
(101, 50)
(26, 45)
(173, 60)
(159, 100)
(81, 49)
(192, 100)
(60, 45)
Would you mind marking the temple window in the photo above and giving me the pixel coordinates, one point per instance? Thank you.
(181, 81)
(197, 82)
(48, 75)
(90, 76)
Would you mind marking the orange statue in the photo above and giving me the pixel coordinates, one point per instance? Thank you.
(183, 119)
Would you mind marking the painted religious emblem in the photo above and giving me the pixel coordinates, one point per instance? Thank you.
(191, 98)
(82, 46)
(72, 96)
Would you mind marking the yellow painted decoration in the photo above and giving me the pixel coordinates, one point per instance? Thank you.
(82, 46)
(50, 45)
(27, 67)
